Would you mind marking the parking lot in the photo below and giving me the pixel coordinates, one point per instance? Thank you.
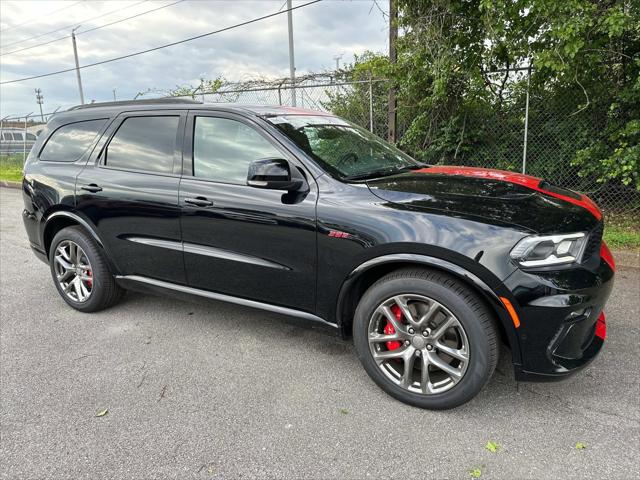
(211, 390)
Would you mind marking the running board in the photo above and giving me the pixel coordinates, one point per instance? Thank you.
(124, 279)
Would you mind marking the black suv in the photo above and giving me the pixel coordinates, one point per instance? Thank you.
(305, 214)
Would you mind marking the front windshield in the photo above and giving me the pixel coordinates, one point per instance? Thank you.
(345, 150)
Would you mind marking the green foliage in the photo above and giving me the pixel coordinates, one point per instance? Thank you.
(11, 167)
(614, 155)
(584, 117)
(475, 473)
(622, 232)
(206, 86)
(352, 103)
(492, 446)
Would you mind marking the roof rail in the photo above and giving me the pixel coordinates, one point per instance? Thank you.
(146, 101)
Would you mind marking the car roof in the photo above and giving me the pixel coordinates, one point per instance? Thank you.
(182, 104)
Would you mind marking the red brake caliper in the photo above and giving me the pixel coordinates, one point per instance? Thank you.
(389, 330)
(89, 282)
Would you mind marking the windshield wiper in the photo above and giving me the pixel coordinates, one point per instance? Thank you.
(385, 172)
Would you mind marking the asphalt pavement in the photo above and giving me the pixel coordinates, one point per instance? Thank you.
(212, 390)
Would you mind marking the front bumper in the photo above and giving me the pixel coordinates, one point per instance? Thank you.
(562, 323)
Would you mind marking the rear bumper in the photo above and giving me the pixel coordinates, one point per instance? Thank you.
(562, 324)
(31, 226)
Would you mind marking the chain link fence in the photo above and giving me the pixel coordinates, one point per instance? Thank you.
(17, 136)
(525, 131)
(363, 96)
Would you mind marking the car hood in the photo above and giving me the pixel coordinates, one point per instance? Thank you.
(490, 196)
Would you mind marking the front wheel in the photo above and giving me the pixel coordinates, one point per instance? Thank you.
(425, 338)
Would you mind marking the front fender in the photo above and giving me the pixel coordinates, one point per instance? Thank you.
(491, 294)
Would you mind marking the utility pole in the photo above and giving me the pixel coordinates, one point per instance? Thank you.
(1, 122)
(337, 59)
(393, 58)
(75, 54)
(292, 63)
(39, 101)
(526, 121)
(24, 139)
(114, 94)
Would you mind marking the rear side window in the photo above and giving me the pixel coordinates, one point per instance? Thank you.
(69, 142)
(31, 136)
(145, 144)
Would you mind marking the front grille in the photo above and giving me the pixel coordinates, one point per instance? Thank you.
(593, 243)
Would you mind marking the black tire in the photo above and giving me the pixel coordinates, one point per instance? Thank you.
(104, 292)
(472, 314)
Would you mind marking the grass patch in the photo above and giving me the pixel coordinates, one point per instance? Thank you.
(11, 167)
(622, 231)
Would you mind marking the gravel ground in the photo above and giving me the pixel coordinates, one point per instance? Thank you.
(211, 390)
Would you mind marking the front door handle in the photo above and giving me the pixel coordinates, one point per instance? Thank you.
(92, 187)
(198, 201)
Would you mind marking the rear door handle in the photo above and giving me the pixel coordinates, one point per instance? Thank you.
(198, 201)
(92, 187)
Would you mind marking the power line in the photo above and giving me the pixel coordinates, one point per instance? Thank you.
(92, 29)
(75, 23)
(32, 21)
(264, 17)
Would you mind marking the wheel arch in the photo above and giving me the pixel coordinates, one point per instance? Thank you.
(60, 219)
(370, 271)
(56, 221)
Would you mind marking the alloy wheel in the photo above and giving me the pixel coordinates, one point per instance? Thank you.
(418, 344)
(73, 271)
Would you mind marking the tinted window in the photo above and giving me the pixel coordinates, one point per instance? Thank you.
(69, 142)
(223, 149)
(344, 149)
(144, 143)
(6, 136)
(31, 136)
(17, 136)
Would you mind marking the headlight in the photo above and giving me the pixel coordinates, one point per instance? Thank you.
(542, 251)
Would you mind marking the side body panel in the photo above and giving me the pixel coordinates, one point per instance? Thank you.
(249, 242)
(376, 228)
(135, 211)
(49, 187)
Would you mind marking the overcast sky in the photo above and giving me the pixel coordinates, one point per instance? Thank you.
(321, 31)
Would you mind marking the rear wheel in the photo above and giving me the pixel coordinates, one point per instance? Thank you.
(80, 271)
(425, 338)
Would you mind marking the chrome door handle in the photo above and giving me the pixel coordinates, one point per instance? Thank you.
(198, 201)
(92, 187)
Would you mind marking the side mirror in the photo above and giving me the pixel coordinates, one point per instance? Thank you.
(274, 174)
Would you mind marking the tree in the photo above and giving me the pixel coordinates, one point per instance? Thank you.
(586, 62)
(352, 101)
(205, 87)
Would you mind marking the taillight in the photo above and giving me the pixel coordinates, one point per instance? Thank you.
(606, 255)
